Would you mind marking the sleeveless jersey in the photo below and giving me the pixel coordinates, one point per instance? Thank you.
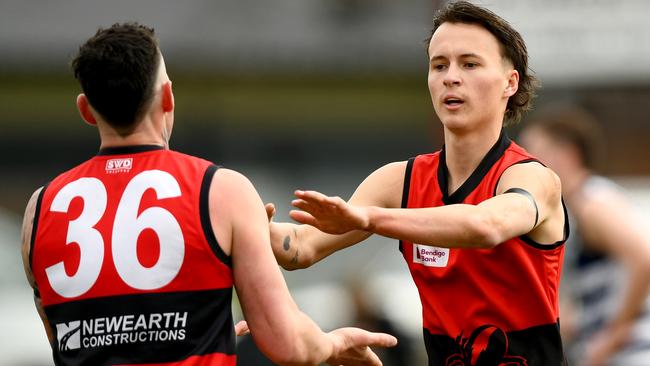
(483, 306)
(596, 282)
(126, 263)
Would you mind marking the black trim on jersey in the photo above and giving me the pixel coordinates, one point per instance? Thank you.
(123, 150)
(407, 182)
(524, 237)
(207, 328)
(567, 231)
(204, 211)
(37, 212)
(406, 189)
(495, 153)
(531, 160)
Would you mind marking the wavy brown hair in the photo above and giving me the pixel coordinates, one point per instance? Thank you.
(512, 45)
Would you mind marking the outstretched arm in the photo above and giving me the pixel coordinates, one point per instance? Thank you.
(300, 246)
(279, 328)
(28, 224)
(537, 213)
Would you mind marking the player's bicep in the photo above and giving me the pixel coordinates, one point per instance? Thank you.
(261, 288)
(26, 234)
(383, 188)
(527, 198)
(537, 184)
(26, 243)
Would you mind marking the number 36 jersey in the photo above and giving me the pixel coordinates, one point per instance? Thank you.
(126, 263)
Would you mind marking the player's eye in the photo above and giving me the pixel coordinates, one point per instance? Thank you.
(439, 67)
(470, 65)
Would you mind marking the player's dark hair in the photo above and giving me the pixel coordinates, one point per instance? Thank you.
(572, 125)
(117, 70)
(512, 45)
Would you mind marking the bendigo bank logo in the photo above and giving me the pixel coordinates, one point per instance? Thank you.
(430, 256)
(69, 335)
(119, 165)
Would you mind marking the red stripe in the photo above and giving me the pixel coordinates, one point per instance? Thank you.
(214, 359)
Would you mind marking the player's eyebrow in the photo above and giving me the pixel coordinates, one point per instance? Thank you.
(435, 58)
(470, 54)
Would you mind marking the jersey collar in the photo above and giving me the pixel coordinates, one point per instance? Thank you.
(495, 153)
(123, 150)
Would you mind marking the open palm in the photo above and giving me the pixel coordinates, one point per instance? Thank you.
(329, 214)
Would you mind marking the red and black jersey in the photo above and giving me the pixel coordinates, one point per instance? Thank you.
(126, 263)
(483, 306)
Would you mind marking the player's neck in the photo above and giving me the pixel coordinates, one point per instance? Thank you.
(146, 133)
(465, 151)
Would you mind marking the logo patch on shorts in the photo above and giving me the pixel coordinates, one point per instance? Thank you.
(119, 165)
(430, 256)
(69, 335)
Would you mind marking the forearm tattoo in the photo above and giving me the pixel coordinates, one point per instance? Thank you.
(286, 245)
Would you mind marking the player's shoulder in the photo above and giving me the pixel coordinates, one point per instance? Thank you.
(393, 166)
(390, 171)
(231, 183)
(536, 172)
(30, 208)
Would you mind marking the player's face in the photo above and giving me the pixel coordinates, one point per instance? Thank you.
(469, 80)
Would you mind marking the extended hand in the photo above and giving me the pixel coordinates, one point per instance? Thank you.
(328, 214)
(352, 346)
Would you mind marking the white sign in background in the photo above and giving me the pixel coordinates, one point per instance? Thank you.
(583, 41)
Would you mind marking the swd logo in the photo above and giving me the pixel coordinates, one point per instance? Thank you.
(69, 335)
(119, 165)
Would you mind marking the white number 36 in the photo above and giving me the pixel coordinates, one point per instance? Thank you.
(126, 229)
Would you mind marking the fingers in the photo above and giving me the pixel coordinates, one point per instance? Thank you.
(241, 328)
(303, 217)
(270, 211)
(365, 338)
(372, 358)
(313, 208)
(383, 340)
(352, 346)
(317, 197)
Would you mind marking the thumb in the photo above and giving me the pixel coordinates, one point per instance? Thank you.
(355, 337)
(270, 211)
(241, 328)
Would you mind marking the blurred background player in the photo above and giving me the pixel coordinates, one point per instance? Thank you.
(607, 259)
(133, 254)
(481, 223)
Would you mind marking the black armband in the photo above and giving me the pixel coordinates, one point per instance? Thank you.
(530, 197)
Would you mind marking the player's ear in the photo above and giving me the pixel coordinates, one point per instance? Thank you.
(513, 83)
(167, 97)
(85, 110)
